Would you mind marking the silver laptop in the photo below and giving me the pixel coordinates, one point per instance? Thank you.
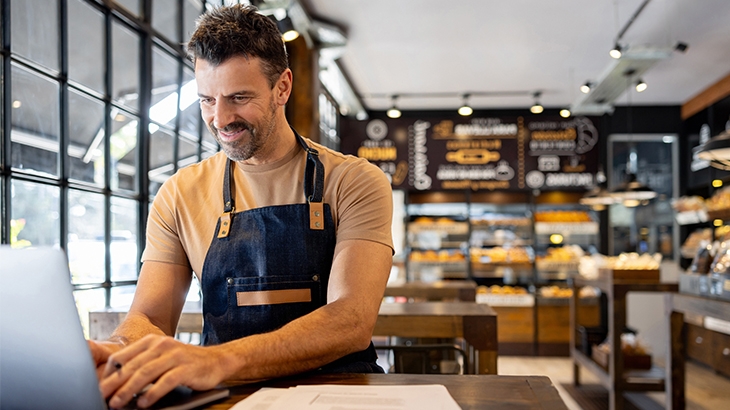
(45, 361)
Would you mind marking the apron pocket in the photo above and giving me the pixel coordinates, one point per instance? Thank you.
(263, 304)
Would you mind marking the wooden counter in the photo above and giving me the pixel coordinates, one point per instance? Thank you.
(471, 392)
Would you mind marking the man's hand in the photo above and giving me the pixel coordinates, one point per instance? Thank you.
(100, 352)
(163, 362)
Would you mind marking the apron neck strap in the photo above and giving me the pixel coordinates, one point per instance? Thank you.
(313, 177)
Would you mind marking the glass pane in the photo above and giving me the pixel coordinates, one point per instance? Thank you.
(122, 296)
(125, 134)
(161, 158)
(35, 32)
(88, 301)
(125, 65)
(131, 5)
(86, 45)
(86, 139)
(187, 152)
(207, 154)
(164, 88)
(165, 18)
(86, 251)
(34, 220)
(35, 122)
(190, 108)
(124, 239)
(209, 142)
(191, 10)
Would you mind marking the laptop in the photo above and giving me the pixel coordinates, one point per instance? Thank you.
(45, 362)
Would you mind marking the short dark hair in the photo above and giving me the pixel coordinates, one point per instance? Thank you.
(239, 30)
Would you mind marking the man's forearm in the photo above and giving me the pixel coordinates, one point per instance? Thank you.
(307, 343)
(134, 327)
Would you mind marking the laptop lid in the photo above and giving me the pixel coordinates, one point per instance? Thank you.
(45, 361)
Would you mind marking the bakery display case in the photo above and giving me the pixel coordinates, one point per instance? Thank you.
(437, 236)
(563, 234)
(500, 243)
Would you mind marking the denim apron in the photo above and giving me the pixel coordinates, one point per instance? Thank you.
(268, 266)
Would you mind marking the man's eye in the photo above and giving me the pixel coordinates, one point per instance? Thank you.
(207, 101)
(240, 98)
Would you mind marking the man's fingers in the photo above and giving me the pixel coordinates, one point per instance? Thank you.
(165, 384)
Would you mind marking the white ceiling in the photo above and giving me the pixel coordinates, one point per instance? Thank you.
(521, 46)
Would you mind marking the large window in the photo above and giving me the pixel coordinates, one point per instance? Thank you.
(99, 108)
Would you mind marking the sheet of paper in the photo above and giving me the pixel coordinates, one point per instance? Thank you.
(345, 397)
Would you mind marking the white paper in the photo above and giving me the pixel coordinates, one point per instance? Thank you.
(346, 397)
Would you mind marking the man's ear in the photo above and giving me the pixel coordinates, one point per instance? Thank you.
(283, 87)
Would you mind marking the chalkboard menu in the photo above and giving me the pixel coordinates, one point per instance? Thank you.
(488, 153)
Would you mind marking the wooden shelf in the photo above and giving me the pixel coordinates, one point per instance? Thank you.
(616, 286)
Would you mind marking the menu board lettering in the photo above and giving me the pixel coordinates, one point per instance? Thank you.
(419, 159)
(483, 153)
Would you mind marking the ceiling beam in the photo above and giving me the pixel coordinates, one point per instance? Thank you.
(706, 98)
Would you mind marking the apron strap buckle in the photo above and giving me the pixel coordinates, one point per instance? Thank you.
(316, 216)
(224, 225)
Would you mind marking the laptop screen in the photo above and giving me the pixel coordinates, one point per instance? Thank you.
(44, 359)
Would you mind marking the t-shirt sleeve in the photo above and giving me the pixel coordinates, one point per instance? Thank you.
(365, 204)
(163, 241)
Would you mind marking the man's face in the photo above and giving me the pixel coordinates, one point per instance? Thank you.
(237, 104)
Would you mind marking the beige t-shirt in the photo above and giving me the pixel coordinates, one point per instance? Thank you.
(186, 209)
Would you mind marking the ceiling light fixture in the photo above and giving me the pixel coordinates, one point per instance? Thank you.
(536, 108)
(565, 113)
(615, 51)
(465, 110)
(681, 47)
(640, 85)
(586, 88)
(394, 112)
(288, 32)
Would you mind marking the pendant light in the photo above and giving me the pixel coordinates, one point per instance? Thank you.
(465, 110)
(717, 150)
(394, 112)
(632, 192)
(599, 197)
(536, 108)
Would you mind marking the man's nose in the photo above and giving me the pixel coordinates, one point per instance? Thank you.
(223, 115)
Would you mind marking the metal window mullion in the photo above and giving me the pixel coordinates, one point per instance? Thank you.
(6, 128)
(144, 135)
(64, 126)
(108, 29)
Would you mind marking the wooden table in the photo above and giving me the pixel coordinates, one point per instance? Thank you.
(474, 322)
(471, 392)
(461, 290)
(677, 305)
(615, 379)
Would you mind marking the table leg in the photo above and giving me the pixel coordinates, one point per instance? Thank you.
(675, 364)
(486, 362)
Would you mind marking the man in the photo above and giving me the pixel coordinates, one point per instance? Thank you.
(290, 240)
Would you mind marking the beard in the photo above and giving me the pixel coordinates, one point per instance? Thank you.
(242, 149)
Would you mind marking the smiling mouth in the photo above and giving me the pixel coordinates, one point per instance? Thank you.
(231, 135)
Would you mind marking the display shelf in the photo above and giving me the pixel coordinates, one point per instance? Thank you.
(616, 284)
(506, 300)
(555, 266)
(691, 217)
(501, 270)
(723, 214)
(563, 228)
(447, 228)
